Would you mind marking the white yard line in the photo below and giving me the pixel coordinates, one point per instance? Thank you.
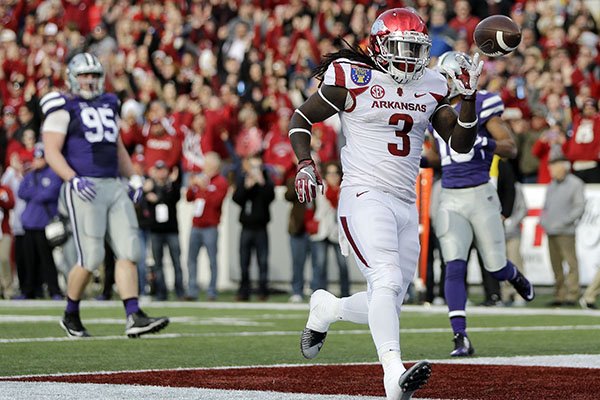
(472, 310)
(295, 333)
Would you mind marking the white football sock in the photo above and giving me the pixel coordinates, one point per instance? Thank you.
(355, 308)
(391, 361)
(383, 320)
(392, 371)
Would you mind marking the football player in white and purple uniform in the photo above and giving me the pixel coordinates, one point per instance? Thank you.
(469, 208)
(82, 145)
(385, 100)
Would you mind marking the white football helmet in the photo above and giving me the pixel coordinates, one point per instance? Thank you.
(91, 85)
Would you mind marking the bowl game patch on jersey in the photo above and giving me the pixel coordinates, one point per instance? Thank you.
(359, 75)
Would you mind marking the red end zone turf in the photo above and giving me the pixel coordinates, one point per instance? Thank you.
(448, 381)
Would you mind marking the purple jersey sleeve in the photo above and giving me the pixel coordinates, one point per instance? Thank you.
(473, 168)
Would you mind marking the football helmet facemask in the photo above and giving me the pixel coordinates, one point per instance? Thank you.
(85, 76)
(399, 44)
(448, 61)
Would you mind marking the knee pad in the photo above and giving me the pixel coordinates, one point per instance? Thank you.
(133, 249)
(92, 259)
(388, 291)
(386, 277)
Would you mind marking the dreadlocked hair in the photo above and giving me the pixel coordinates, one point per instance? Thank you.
(354, 53)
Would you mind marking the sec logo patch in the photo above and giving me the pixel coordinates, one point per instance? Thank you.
(360, 76)
(377, 92)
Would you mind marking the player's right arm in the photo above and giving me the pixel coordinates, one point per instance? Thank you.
(325, 102)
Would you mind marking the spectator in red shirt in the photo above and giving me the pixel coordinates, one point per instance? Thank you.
(196, 144)
(324, 142)
(207, 191)
(7, 202)
(8, 142)
(279, 155)
(583, 148)
(464, 23)
(549, 139)
(131, 131)
(249, 140)
(514, 95)
(77, 12)
(13, 94)
(161, 142)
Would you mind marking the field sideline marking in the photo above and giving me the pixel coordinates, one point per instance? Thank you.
(473, 310)
(560, 360)
(288, 333)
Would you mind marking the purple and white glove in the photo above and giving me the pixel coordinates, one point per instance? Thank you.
(135, 185)
(83, 187)
(308, 180)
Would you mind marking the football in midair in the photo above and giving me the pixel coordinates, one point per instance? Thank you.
(497, 35)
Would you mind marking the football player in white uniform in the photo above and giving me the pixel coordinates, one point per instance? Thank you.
(385, 100)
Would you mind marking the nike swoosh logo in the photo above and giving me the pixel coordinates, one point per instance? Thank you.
(361, 193)
(417, 95)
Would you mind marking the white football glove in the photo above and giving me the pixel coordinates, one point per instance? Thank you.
(466, 82)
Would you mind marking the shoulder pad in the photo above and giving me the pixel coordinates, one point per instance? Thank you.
(111, 97)
(51, 102)
(348, 74)
(437, 82)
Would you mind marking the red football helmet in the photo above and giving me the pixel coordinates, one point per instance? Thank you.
(399, 44)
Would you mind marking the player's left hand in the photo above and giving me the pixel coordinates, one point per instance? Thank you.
(466, 82)
(308, 180)
(135, 185)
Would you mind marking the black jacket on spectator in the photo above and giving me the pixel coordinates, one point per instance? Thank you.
(254, 201)
(168, 195)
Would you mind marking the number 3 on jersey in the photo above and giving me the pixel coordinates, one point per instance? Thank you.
(100, 124)
(393, 148)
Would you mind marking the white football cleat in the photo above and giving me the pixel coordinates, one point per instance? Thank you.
(323, 311)
(409, 382)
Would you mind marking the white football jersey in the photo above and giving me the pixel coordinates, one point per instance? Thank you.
(384, 124)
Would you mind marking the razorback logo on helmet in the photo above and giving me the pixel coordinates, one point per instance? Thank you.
(359, 75)
(377, 92)
(378, 26)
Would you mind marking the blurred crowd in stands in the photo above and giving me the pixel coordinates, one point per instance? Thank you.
(222, 77)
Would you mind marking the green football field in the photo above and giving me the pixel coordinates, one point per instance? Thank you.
(243, 334)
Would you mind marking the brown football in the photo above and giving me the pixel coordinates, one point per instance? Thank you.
(497, 35)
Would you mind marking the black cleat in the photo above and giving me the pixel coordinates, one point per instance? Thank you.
(311, 342)
(71, 323)
(139, 324)
(462, 346)
(414, 378)
(523, 287)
